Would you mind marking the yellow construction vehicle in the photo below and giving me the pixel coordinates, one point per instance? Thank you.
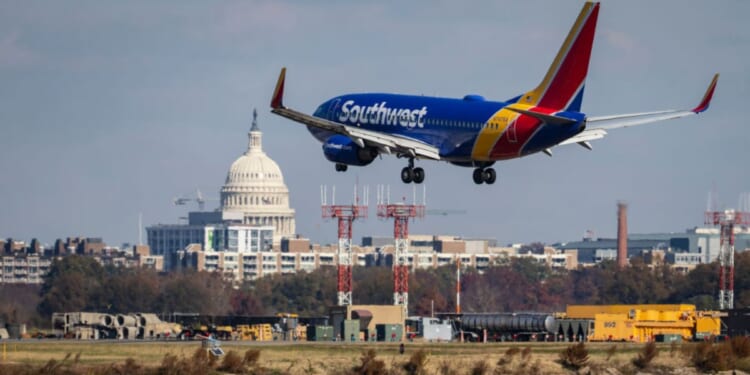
(254, 332)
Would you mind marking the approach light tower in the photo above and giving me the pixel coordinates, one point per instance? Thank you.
(400, 213)
(726, 220)
(345, 214)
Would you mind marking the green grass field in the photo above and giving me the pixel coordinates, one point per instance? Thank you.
(29, 357)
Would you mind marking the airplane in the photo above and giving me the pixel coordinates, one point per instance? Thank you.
(472, 131)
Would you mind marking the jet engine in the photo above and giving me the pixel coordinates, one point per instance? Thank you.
(342, 149)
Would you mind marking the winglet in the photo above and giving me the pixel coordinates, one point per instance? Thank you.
(707, 96)
(278, 94)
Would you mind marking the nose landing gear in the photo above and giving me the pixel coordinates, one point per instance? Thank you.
(341, 167)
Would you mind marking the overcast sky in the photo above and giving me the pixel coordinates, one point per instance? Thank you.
(109, 109)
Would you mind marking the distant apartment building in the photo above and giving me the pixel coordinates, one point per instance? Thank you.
(442, 250)
(31, 264)
(24, 269)
(238, 267)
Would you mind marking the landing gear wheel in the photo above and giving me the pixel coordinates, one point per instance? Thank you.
(478, 176)
(418, 175)
(489, 176)
(341, 167)
(407, 175)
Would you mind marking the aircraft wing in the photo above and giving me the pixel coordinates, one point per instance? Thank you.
(597, 126)
(385, 143)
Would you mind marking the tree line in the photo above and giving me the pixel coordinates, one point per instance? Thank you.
(79, 283)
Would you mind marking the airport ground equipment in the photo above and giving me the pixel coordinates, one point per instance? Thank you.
(510, 326)
(389, 332)
(642, 323)
(319, 333)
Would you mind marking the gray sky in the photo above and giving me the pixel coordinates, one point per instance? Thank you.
(111, 108)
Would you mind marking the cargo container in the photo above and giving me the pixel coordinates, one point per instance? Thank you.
(389, 332)
(319, 333)
(350, 330)
(436, 330)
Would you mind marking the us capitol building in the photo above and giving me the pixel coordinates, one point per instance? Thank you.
(253, 217)
(255, 189)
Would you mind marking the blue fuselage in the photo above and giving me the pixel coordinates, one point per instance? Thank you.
(453, 126)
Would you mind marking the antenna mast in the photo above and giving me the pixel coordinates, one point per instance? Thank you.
(400, 213)
(726, 220)
(345, 214)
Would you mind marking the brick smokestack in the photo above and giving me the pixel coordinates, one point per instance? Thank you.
(622, 234)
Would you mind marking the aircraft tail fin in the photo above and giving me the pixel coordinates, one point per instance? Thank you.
(562, 86)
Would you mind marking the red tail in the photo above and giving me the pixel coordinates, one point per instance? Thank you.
(562, 86)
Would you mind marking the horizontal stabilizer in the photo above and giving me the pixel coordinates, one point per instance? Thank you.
(547, 118)
(585, 136)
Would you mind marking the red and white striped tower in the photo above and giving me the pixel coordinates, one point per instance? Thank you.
(345, 214)
(726, 220)
(400, 213)
(458, 285)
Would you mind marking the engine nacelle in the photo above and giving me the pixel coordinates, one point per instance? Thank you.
(341, 149)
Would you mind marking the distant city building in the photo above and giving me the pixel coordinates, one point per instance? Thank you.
(29, 265)
(254, 215)
(24, 269)
(166, 239)
(682, 250)
(255, 188)
(238, 267)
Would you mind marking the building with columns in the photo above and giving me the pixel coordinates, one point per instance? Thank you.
(254, 213)
(255, 189)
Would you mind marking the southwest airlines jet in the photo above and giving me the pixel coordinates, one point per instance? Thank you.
(471, 132)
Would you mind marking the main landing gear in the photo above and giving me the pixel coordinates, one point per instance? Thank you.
(341, 167)
(484, 175)
(410, 174)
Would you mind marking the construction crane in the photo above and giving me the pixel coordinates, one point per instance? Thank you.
(181, 201)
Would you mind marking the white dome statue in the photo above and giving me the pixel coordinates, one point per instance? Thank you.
(255, 187)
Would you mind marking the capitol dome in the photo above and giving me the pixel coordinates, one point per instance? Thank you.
(255, 186)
